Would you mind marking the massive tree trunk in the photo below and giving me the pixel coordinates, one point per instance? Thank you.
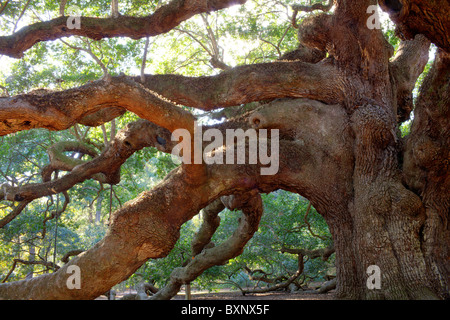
(384, 198)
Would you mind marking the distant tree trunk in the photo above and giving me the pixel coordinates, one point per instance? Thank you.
(187, 288)
(98, 211)
(32, 257)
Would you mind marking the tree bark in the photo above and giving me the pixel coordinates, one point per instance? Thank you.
(385, 199)
(161, 21)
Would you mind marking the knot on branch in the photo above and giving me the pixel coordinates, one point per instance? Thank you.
(69, 254)
(241, 201)
(304, 54)
(144, 133)
(314, 31)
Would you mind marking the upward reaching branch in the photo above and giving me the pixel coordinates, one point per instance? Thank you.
(115, 8)
(406, 67)
(62, 7)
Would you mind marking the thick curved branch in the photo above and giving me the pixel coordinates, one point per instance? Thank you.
(250, 83)
(61, 110)
(154, 100)
(102, 116)
(71, 253)
(279, 285)
(218, 255)
(161, 21)
(305, 54)
(148, 226)
(430, 18)
(211, 222)
(59, 161)
(134, 137)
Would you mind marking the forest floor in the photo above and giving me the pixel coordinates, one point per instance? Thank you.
(237, 295)
(275, 295)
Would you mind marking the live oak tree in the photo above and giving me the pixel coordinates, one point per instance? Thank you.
(337, 100)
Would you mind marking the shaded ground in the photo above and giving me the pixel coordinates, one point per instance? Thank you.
(237, 295)
(279, 295)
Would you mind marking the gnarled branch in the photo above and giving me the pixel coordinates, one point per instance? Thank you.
(429, 18)
(232, 247)
(250, 83)
(161, 21)
(134, 137)
(60, 110)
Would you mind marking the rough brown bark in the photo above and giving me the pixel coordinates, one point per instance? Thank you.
(385, 200)
(134, 137)
(413, 17)
(217, 255)
(161, 21)
(426, 166)
(154, 218)
(61, 110)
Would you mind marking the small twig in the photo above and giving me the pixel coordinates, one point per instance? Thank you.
(13, 214)
(115, 196)
(62, 6)
(5, 90)
(45, 263)
(3, 7)
(20, 16)
(273, 45)
(144, 59)
(196, 40)
(93, 56)
(317, 6)
(309, 226)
